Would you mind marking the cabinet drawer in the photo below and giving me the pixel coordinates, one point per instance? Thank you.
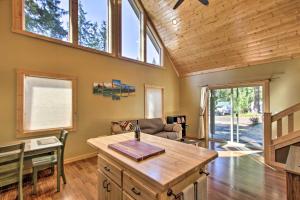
(127, 196)
(108, 189)
(137, 189)
(114, 192)
(101, 190)
(113, 171)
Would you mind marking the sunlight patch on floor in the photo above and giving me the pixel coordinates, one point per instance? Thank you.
(236, 153)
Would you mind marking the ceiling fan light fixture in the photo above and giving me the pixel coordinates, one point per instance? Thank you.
(179, 2)
(174, 21)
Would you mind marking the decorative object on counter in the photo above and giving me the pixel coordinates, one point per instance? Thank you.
(136, 150)
(116, 89)
(179, 119)
(137, 132)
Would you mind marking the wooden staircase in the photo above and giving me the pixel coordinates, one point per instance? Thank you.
(277, 144)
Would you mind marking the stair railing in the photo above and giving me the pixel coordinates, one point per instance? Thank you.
(271, 141)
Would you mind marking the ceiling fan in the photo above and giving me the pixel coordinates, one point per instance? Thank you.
(179, 2)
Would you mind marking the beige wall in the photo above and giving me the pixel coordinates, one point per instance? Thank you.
(285, 89)
(94, 112)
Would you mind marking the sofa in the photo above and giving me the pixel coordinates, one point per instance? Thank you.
(156, 126)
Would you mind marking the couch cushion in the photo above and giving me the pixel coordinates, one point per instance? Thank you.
(168, 135)
(123, 126)
(168, 127)
(151, 126)
(116, 128)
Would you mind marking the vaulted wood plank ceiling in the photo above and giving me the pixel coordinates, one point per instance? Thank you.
(228, 33)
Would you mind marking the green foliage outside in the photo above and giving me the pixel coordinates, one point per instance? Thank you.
(91, 34)
(243, 99)
(45, 17)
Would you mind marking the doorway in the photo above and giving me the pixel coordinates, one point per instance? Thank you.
(235, 116)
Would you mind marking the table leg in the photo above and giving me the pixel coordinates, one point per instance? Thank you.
(58, 168)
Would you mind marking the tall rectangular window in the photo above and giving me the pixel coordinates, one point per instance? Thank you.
(93, 24)
(119, 28)
(45, 103)
(154, 102)
(48, 18)
(131, 30)
(153, 48)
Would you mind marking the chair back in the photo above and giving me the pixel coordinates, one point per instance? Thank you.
(63, 139)
(11, 163)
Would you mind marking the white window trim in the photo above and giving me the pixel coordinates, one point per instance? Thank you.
(137, 9)
(156, 42)
(145, 99)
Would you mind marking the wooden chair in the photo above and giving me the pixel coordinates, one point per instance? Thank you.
(50, 160)
(11, 166)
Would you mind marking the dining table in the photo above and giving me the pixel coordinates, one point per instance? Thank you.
(40, 146)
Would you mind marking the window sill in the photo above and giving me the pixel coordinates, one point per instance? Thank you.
(69, 44)
(45, 132)
(140, 62)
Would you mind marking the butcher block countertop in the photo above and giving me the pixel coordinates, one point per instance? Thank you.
(178, 161)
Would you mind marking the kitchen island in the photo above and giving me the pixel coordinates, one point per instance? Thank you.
(159, 177)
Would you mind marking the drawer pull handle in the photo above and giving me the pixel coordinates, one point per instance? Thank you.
(104, 184)
(107, 188)
(135, 191)
(204, 172)
(107, 169)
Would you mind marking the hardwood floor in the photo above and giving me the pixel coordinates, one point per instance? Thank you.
(233, 176)
(238, 175)
(81, 184)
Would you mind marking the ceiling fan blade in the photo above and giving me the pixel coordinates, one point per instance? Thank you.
(179, 2)
(205, 2)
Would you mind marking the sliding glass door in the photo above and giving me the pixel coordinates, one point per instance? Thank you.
(235, 116)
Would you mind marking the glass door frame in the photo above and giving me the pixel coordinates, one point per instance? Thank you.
(266, 102)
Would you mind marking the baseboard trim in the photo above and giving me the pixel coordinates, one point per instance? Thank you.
(81, 157)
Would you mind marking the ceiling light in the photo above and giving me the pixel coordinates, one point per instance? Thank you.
(174, 21)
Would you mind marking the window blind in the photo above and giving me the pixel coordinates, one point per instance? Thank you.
(47, 103)
(154, 103)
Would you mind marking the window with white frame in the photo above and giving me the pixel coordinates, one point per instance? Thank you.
(153, 52)
(131, 30)
(154, 102)
(45, 102)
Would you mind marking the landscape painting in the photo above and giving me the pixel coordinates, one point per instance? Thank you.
(115, 89)
(131, 90)
(124, 90)
(107, 89)
(98, 89)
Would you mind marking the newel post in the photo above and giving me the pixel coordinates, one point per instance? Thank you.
(267, 136)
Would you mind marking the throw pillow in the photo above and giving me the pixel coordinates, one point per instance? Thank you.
(116, 129)
(168, 127)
